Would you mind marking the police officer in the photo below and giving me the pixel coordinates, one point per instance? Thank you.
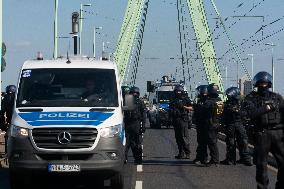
(7, 106)
(211, 117)
(265, 109)
(135, 127)
(201, 151)
(179, 108)
(232, 119)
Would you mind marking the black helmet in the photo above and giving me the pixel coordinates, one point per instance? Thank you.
(11, 89)
(213, 89)
(233, 93)
(262, 77)
(125, 90)
(202, 90)
(178, 91)
(134, 90)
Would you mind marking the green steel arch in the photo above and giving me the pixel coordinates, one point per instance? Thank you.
(127, 34)
(205, 42)
(130, 25)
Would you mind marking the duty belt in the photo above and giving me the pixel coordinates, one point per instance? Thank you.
(273, 127)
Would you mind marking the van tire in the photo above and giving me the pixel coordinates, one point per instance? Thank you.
(117, 181)
(18, 181)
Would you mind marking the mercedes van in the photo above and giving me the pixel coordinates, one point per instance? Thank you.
(68, 119)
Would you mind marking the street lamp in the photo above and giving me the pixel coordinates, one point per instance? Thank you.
(272, 63)
(81, 25)
(251, 69)
(94, 43)
(55, 41)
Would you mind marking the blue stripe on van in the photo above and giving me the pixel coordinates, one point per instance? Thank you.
(65, 118)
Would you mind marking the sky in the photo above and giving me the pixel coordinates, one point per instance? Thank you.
(28, 28)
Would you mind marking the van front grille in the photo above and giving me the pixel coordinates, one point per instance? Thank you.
(64, 138)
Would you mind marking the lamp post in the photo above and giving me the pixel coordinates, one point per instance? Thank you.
(94, 43)
(0, 44)
(272, 63)
(75, 30)
(55, 51)
(251, 69)
(81, 25)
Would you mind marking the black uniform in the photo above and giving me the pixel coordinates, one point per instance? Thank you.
(134, 127)
(212, 123)
(6, 113)
(269, 137)
(201, 129)
(232, 119)
(180, 119)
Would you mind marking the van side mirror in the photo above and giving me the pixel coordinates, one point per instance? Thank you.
(154, 101)
(129, 102)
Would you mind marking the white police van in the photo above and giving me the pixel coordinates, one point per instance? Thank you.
(68, 119)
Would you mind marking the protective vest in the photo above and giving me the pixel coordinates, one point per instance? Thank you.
(136, 114)
(214, 110)
(270, 119)
(232, 112)
(177, 108)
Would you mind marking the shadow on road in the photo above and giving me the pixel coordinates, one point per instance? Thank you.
(168, 162)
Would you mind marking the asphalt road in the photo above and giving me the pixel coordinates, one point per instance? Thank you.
(161, 171)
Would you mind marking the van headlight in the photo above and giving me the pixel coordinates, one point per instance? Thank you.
(19, 131)
(112, 131)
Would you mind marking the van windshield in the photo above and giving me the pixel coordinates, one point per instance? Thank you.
(59, 87)
(165, 96)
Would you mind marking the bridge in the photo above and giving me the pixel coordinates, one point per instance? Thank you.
(198, 61)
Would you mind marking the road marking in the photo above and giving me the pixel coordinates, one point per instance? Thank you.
(139, 168)
(139, 185)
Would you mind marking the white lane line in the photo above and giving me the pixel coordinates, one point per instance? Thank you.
(139, 185)
(142, 151)
(139, 168)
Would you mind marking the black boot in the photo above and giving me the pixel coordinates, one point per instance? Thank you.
(227, 162)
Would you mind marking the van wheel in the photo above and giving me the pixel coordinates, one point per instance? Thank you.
(117, 181)
(18, 181)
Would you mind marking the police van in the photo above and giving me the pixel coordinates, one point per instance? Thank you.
(68, 119)
(161, 93)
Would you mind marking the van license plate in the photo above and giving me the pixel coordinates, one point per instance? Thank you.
(63, 168)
